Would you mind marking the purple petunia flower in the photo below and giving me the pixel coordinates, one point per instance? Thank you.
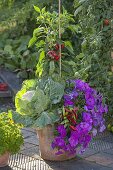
(80, 85)
(87, 117)
(71, 150)
(84, 127)
(74, 94)
(58, 141)
(87, 140)
(73, 141)
(90, 103)
(68, 103)
(61, 129)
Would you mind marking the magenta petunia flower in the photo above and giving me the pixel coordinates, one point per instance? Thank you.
(62, 131)
(87, 117)
(73, 141)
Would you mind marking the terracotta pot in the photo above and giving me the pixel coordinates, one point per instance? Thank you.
(46, 136)
(4, 159)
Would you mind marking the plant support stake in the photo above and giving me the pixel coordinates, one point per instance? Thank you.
(60, 37)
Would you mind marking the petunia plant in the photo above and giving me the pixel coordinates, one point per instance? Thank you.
(82, 119)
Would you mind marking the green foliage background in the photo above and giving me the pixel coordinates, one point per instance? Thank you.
(17, 22)
(97, 44)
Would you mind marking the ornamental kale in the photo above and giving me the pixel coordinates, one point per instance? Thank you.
(82, 119)
(38, 102)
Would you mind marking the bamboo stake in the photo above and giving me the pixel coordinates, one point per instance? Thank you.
(60, 37)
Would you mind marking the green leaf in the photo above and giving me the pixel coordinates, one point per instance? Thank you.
(42, 56)
(39, 66)
(80, 56)
(19, 103)
(54, 117)
(22, 48)
(43, 10)
(56, 91)
(40, 101)
(79, 9)
(28, 85)
(26, 53)
(8, 49)
(40, 43)
(39, 70)
(82, 1)
(23, 74)
(10, 66)
(69, 46)
(25, 107)
(75, 28)
(43, 120)
(37, 9)
(22, 119)
(32, 41)
(10, 114)
(32, 102)
(38, 31)
(46, 119)
(23, 64)
(51, 67)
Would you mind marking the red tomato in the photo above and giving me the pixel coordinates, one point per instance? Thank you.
(53, 55)
(106, 22)
(57, 57)
(57, 46)
(62, 46)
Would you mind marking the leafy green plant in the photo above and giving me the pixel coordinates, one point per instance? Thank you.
(10, 136)
(96, 27)
(14, 55)
(37, 102)
(15, 17)
(18, 18)
(46, 39)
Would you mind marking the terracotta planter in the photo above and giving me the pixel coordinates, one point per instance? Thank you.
(4, 159)
(46, 136)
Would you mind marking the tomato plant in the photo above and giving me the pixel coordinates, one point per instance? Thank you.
(96, 21)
